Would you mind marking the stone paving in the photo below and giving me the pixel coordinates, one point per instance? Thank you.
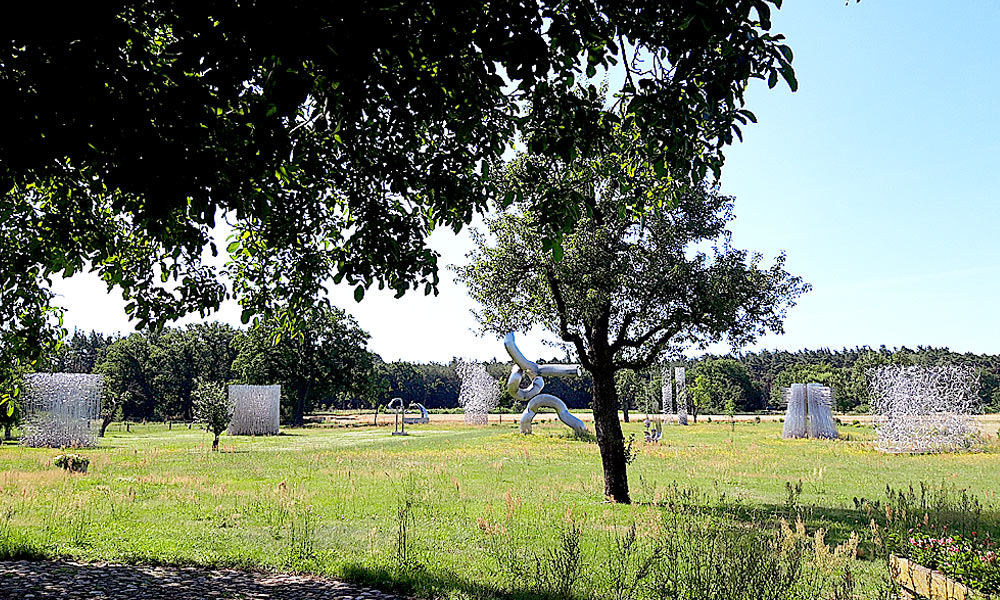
(38, 580)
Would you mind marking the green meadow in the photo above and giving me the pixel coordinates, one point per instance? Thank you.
(448, 511)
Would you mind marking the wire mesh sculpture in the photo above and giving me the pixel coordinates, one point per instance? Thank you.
(525, 369)
(682, 409)
(61, 409)
(479, 393)
(256, 409)
(810, 412)
(924, 409)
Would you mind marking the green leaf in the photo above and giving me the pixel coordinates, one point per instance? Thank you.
(246, 315)
(772, 79)
(233, 247)
(789, 76)
(359, 293)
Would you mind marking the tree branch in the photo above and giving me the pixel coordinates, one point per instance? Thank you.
(564, 332)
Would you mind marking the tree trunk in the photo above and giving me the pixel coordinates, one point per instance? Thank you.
(104, 426)
(6, 431)
(376, 414)
(625, 410)
(215, 443)
(298, 419)
(610, 440)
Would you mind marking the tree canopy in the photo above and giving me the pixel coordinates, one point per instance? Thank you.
(646, 271)
(332, 137)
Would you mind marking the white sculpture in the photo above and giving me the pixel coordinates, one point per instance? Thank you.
(532, 371)
(924, 409)
(424, 417)
(479, 394)
(810, 412)
(256, 409)
(666, 391)
(60, 409)
(682, 409)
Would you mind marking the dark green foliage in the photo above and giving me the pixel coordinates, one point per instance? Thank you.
(334, 137)
(325, 365)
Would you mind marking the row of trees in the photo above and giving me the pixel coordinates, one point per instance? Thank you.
(330, 368)
(153, 375)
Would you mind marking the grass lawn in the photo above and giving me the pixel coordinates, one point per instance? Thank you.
(410, 512)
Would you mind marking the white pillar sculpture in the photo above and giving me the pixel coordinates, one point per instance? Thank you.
(682, 409)
(532, 371)
(666, 390)
(809, 413)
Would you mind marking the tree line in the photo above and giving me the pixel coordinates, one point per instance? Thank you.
(152, 375)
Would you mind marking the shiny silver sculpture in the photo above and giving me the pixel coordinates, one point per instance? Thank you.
(256, 409)
(924, 409)
(810, 412)
(61, 409)
(424, 417)
(526, 370)
(479, 393)
(682, 408)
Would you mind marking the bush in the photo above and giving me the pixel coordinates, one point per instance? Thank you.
(74, 463)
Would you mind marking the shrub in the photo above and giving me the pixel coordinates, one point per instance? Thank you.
(212, 407)
(74, 463)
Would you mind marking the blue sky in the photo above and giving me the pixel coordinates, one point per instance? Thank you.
(878, 178)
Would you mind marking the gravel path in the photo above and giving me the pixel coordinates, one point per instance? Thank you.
(37, 580)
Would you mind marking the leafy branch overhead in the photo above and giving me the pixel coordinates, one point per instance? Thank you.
(332, 137)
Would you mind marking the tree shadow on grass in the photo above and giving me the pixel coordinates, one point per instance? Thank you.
(46, 579)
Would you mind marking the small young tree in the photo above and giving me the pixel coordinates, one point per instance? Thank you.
(111, 408)
(646, 270)
(212, 407)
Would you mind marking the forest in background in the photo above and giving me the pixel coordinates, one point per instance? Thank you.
(154, 373)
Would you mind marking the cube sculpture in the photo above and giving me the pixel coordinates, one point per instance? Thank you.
(810, 412)
(924, 409)
(61, 409)
(256, 409)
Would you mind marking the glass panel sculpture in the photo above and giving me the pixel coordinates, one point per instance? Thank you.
(479, 393)
(924, 409)
(810, 412)
(526, 370)
(682, 409)
(256, 409)
(60, 409)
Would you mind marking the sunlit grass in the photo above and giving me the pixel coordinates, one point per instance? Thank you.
(327, 500)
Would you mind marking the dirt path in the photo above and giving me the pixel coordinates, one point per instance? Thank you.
(38, 580)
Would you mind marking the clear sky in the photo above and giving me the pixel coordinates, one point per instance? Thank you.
(879, 179)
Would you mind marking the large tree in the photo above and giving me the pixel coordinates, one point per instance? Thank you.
(332, 136)
(328, 361)
(628, 285)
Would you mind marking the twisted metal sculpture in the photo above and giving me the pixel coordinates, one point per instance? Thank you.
(525, 369)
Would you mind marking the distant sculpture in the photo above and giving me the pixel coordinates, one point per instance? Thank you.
(810, 412)
(653, 431)
(479, 394)
(525, 369)
(256, 409)
(60, 409)
(924, 409)
(682, 409)
(423, 419)
(666, 390)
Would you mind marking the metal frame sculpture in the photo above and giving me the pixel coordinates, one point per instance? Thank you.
(666, 390)
(924, 409)
(256, 409)
(61, 409)
(809, 413)
(525, 369)
(479, 393)
(424, 417)
(396, 404)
